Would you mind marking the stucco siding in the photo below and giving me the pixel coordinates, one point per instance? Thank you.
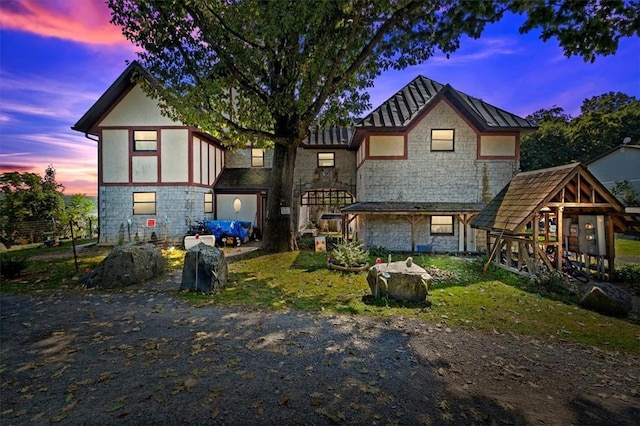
(175, 155)
(136, 109)
(115, 156)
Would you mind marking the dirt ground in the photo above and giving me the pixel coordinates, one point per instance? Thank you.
(144, 357)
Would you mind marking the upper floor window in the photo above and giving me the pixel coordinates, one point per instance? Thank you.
(326, 159)
(145, 140)
(442, 139)
(441, 225)
(208, 202)
(257, 157)
(144, 203)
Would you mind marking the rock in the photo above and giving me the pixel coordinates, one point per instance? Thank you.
(403, 281)
(211, 269)
(608, 299)
(126, 265)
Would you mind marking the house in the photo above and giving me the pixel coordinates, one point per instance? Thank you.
(408, 176)
(155, 176)
(427, 161)
(620, 163)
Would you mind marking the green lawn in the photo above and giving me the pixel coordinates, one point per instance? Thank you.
(497, 301)
(628, 249)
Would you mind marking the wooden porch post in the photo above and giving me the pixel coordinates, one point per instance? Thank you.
(559, 237)
(610, 245)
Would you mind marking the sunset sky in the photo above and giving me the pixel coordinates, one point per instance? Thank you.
(58, 56)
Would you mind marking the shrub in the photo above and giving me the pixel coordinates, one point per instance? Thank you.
(12, 265)
(349, 254)
(628, 274)
(379, 251)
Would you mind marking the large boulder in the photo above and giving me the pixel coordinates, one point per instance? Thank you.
(205, 269)
(404, 281)
(608, 299)
(127, 265)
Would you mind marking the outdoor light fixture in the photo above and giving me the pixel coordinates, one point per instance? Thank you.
(237, 205)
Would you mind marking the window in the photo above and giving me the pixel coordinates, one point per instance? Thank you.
(442, 225)
(257, 157)
(441, 139)
(326, 197)
(326, 159)
(145, 140)
(208, 203)
(144, 203)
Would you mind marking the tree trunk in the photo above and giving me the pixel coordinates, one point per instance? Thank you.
(279, 235)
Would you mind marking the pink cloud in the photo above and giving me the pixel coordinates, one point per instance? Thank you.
(76, 20)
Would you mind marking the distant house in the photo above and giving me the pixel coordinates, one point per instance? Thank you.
(617, 164)
(409, 176)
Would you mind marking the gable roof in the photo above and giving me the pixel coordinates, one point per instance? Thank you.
(408, 103)
(119, 87)
(528, 192)
(612, 150)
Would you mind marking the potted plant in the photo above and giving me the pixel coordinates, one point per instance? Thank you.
(348, 257)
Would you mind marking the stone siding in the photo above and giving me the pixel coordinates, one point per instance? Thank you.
(427, 176)
(175, 207)
(241, 158)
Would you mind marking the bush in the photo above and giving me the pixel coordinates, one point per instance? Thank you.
(12, 265)
(379, 251)
(350, 254)
(628, 274)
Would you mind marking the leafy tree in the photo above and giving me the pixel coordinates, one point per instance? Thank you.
(626, 193)
(78, 210)
(29, 197)
(263, 72)
(605, 122)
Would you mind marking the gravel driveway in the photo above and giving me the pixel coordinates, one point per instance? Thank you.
(145, 357)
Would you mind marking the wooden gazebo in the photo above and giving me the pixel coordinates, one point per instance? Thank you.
(584, 211)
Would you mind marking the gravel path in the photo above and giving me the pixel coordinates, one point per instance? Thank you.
(145, 357)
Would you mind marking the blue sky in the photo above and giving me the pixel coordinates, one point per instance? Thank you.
(58, 57)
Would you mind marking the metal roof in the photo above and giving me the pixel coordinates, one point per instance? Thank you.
(330, 137)
(408, 103)
(244, 179)
(407, 207)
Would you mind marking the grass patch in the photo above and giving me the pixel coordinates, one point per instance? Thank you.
(629, 249)
(461, 297)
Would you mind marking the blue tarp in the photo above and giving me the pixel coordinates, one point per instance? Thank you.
(228, 228)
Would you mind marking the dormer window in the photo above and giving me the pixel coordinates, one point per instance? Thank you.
(145, 140)
(442, 139)
(326, 159)
(257, 157)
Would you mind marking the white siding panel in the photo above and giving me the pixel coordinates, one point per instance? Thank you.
(498, 146)
(204, 162)
(196, 160)
(175, 155)
(212, 164)
(115, 156)
(386, 146)
(248, 210)
(135, 108)
(145, 169)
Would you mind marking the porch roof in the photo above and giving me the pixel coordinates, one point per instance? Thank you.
(244, 179)
(406, 207)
